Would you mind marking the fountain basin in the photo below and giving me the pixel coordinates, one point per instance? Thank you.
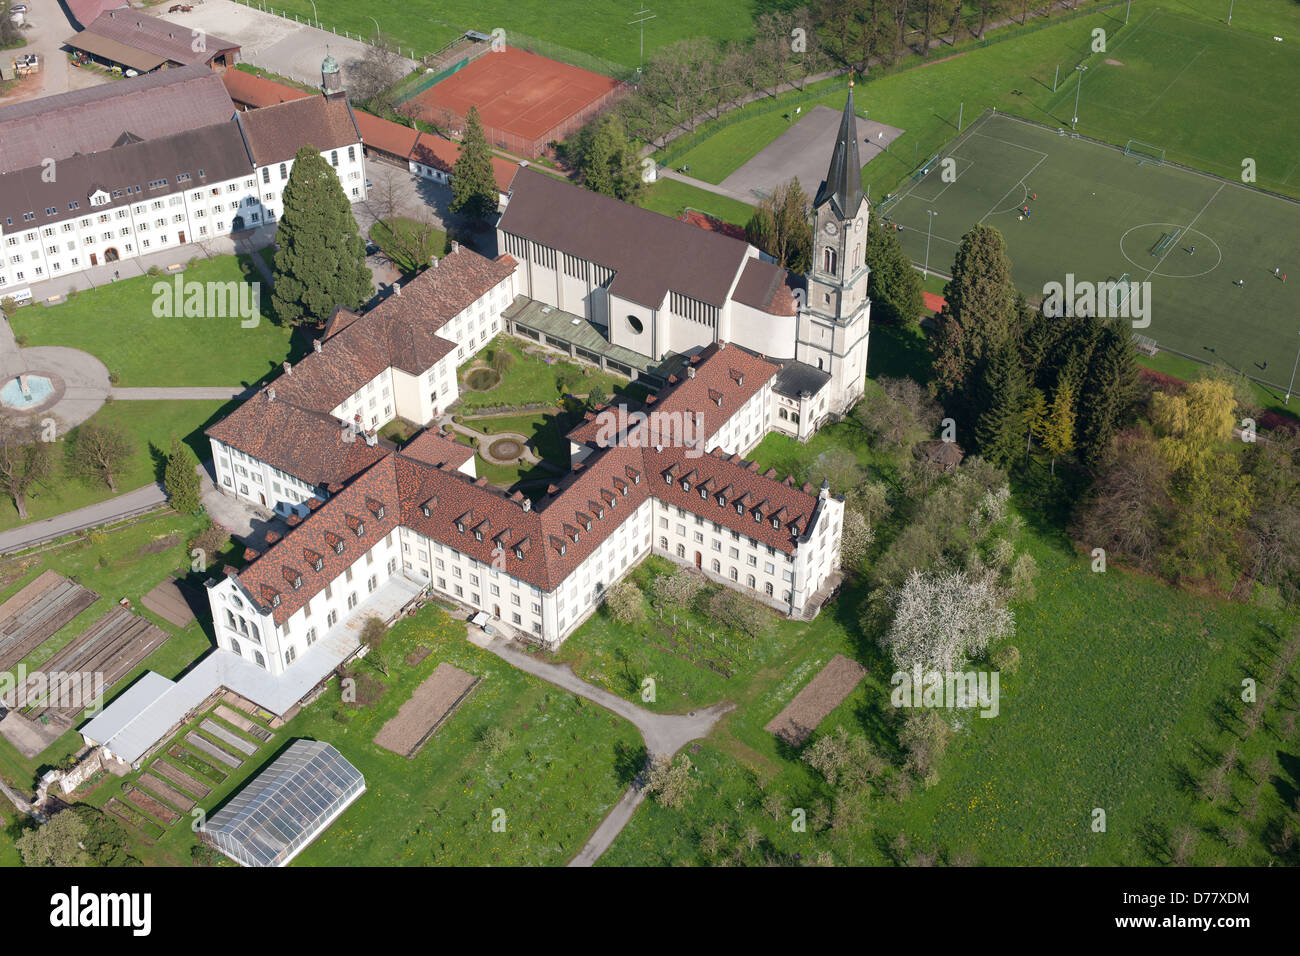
(39, 389)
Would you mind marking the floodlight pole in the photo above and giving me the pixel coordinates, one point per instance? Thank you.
(929, 221)
(1130, 7)
(644, 16)
(1230, 3)
(1080, 69)
(960, 109)
(1056, 78)
(1287, 400)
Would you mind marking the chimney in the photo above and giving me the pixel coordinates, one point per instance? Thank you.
(270, 394)
(288, 369)
(397, 288)
(315, 345)
(721, 345)
(433, 262)
(455, 247)
(690, 372)
(528, 504)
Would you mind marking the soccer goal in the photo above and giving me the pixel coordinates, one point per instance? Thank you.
(1144, 152)
(1145, 344)
(924, 168)
(1166, 240)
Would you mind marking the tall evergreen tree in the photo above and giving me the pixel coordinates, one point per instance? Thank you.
(607, 162)
(895, 284)
(1000, 431)
(321, 262)
(473, 187)
(180, 479)
(1056, 428)
(1109, 393)
(782, 226)
(977, 320)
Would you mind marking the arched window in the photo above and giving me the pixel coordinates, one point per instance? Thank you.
(829, 260)
(234, 646)
(681, 551)
(769, 589)
(261, 661)
(750, 581)
(717, 566)
(663, 543)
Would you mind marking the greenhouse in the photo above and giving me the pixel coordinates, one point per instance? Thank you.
(286, 806)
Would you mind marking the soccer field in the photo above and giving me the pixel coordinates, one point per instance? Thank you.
(1210, 95)
(1099, 215)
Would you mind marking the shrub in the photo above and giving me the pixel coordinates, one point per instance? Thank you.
(677, 588)
(1007, 659)
(496, 741)
(8, 305)
(625, 602)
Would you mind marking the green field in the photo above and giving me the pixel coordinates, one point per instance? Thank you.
(117, 325)
(598, 28)
(1098, 215)
(149, 426)
(1210, 95)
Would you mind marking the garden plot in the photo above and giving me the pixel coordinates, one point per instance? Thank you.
(242, 722)
(152, 807)
(159, 789)
(181, 778)
(822, 694)
(246, 747)
(111, 647)
(192, 761)
(205, 746)
(37, 612)
(426, 710)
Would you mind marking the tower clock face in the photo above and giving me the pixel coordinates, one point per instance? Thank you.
(831, 229)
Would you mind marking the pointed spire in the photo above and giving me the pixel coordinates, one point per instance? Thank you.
(843, 183)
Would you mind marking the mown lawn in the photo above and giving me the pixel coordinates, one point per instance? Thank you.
(532, 378)
(116, 324)
(564, 764)
(390, 235)
(671, 198)
(150, 426)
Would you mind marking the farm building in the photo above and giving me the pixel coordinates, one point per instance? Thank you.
(132, 40)
(286, 806)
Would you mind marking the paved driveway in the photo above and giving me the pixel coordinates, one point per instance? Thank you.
(804, 150)
(282, 46)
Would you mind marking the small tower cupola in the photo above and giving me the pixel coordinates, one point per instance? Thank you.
(331, 80)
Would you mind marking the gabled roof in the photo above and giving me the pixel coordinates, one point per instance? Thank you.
(256, 91)
(91, 119)
(152, 35)
(843, 183)
(275, 133)
(767, 287)
(385, 135)
(216, 150)
(650, 254)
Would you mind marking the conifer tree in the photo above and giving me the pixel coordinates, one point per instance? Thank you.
(180, 479)
(895, 285)
(321, 261)
(473, 187)
(1001, 427)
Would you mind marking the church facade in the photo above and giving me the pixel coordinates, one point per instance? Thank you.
(662, 287)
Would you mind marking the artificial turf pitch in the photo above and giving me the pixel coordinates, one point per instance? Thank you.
(1098, 214)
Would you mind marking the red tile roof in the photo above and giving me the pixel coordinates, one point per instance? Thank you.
(386, 136)
(434, 448)
(275, 133)
(400, 332)
(725, 377)
(328, 535)
(254, 91)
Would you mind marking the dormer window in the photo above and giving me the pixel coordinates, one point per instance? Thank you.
(379, 512)
(478, 535)
(758, 516)
(686, 485)
(424, 509)
(776, 523)
(338, 546)
(460, 526)
(297, 581)
(740, 509)
(361, 528)
(319, 565)
(668, 479)
(519, 553)
(704, 494)
(722, 501)
(587, 524)
(275, 600)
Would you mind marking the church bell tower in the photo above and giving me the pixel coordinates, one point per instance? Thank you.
(835, 323)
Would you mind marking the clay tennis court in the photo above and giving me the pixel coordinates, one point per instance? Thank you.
(524, 100)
